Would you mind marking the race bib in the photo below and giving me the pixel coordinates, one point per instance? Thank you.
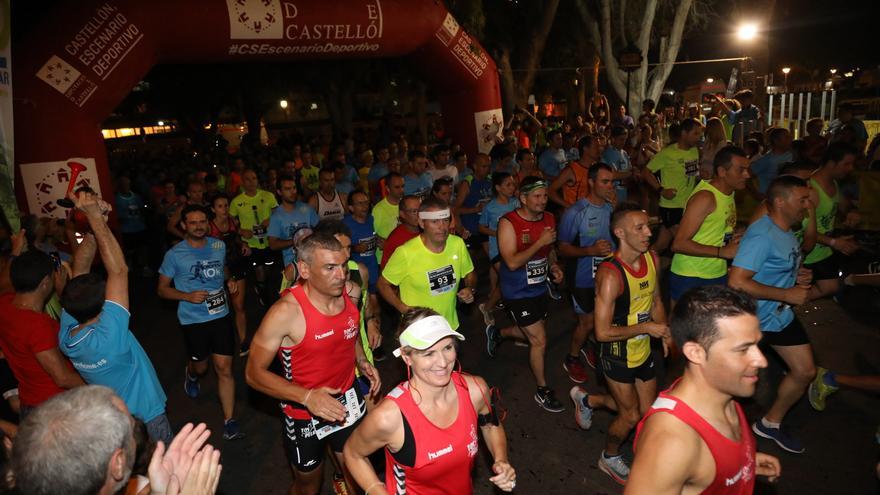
(216, 302)
(441, 280)
(692, 169)
(597, 260)
(369, 245)
(643, 316)
(536, 271)
(354, 409)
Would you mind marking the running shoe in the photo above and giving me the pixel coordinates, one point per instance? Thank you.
(615, 467)
(546, 399)
(190, 385)
(784, 440)
(583, 413)
(819, 390)
(576, 371)
(488, 317)
(588, 351)
(244, 349)
(493, 338)
(553, 290)
(231, 430)
(339, 485)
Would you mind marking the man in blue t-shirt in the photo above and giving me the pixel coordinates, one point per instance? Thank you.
(291, 216)
(197, 268)
(768, 266)
(615, 156)
(418, 180)
(94, 332)
(132, 225)
(585, 236)
(364, 241)
(766, 168)
(552, 160)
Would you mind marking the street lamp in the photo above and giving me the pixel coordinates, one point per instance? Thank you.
(785, 71)
(710, 80)
(283, 104)
(747, 31)
(833, 71)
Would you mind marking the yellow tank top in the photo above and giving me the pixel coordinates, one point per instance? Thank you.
(716, 230)
(632, 306)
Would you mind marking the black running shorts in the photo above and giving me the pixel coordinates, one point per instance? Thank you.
(210, 337)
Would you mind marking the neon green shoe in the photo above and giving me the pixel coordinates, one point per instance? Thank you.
(819, 390)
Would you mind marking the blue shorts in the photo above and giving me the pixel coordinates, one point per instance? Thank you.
(679, 284)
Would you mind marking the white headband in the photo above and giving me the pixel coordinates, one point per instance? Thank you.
(434, 215)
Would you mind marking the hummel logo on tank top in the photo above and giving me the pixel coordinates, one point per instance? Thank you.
(440, 453)
(319, 336)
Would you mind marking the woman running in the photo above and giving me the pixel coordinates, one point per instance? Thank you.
(223, 227)
(428, 425)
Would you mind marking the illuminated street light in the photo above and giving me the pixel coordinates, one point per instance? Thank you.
(747, 32)
(710, 80)
(833, 71)
(786, 70)
(161, 123)
(283, 104)
(848, 74)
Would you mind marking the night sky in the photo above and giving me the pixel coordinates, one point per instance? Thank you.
(810, 36)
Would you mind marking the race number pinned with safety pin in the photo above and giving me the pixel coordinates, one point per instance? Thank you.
(354, 409)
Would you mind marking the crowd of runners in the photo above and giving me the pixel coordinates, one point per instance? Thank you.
(359, 253)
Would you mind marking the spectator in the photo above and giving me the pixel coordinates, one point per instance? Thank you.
(95, 334)
(29, 337)
(845, 117)
(87, 437)
(746, 119)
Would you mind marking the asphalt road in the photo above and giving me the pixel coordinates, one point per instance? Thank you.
(551, 455)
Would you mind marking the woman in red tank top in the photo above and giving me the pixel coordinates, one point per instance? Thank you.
(223, 227)
(428, 424)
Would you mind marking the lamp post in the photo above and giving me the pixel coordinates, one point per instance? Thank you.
(785, 71)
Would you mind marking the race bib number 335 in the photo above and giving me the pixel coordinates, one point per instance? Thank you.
(536, 271)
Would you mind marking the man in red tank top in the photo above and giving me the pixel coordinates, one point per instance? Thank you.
(702, 442)
(314, 330)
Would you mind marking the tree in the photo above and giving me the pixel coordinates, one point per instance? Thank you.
(614, 25)
(516, 35)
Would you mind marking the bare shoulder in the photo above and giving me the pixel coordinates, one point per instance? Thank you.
(663, 434)
(283, 317)
(386, 418)
(478, 390)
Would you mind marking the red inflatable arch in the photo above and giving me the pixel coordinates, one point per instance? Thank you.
(85, 57)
